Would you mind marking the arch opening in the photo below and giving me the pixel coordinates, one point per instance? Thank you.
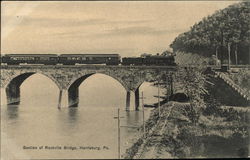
(150, 94)
(97, 90)
(30, 88)
(73, 91)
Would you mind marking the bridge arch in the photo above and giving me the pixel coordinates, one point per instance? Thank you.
(73, 87)
(28, 74)
(137, 92)
(12, 85)
(76, 81)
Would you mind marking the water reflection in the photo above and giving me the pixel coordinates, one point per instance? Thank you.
(133, 117)
(12, 111)
(72, 114)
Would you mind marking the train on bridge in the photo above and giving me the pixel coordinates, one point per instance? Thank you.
(73, 59)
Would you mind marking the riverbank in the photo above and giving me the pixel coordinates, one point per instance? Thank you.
(220, 132)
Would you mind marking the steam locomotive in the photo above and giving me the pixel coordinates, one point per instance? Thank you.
(73, 59)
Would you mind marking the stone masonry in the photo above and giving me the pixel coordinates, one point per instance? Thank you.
(69, 78)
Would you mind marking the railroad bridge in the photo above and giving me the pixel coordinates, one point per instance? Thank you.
(69, 78)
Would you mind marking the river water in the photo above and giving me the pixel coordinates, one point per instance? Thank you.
(36, 129)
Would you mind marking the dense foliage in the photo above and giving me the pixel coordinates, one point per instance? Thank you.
(225, 34)
(192, 81)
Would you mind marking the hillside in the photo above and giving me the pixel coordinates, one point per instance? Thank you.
(225, 34)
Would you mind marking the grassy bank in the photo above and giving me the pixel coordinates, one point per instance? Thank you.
(220, 133)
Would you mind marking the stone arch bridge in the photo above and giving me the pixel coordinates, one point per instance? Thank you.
(69, 78)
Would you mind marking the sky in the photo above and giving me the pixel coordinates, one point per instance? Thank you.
(128, 28)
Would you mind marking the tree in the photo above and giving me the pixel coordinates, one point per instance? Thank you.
(223, 33)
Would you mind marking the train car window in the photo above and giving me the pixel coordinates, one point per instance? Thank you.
(75, 58)
(13, 58)
(44, 58)
(27, 58)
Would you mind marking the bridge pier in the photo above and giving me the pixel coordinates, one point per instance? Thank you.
(73, 96)
(73, 91)
(3, 95)
(13, 88)
(128, 101)
(60, 99)
(63, 100)
(13, 94)
(137, 99)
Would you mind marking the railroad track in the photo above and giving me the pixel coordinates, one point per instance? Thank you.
(153, 132)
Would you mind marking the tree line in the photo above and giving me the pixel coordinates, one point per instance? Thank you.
(225, 34)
